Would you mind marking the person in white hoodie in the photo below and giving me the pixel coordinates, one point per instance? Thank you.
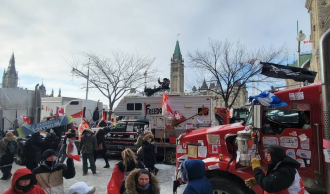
(81, 188)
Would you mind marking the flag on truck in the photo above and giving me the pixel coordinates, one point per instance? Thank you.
(78, 114)
(287, 72)
(267, 98)
(59, 112)
(166, 109)
(179, 117)
(26, 119)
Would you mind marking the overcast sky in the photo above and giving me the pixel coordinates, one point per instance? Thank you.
(44, 35)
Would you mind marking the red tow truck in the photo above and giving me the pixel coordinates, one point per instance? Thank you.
(302, 128)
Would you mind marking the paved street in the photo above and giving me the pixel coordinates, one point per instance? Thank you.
(101, 179)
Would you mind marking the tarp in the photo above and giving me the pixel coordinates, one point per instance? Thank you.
(287, 72)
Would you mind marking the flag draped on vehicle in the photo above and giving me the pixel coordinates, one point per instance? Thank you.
(166, 109)
(267, 98)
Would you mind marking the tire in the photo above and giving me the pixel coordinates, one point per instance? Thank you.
(228, 186)
(19, 153)
(170, 157)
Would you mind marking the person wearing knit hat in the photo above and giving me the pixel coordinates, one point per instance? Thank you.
(81, 188)
(50, 164)
(8, 148)
(282, 175)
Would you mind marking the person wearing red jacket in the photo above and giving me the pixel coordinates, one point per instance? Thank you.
(23, 182)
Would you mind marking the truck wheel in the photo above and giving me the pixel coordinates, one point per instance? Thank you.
(19, 154)
(227, 186)
(170, 157)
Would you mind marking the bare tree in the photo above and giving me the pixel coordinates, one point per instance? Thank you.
(232, 66)
(113, 76)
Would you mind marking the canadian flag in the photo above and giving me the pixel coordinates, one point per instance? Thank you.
(179, 117)
(48, 109)
(166, 109)
(71, 150)
(26, 119)
(78, 114)
(59, 111)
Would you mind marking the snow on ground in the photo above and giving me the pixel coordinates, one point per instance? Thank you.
(100, 180)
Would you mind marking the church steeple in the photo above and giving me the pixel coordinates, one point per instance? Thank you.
(10, 77)
(177, 52)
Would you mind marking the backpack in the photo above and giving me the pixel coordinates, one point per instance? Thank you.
(11, 147)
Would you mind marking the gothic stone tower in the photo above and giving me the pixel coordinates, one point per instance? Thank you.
(10, 77)
(177, 72)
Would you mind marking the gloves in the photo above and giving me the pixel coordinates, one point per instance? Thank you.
(255, 163)
(250, 182)
(69, 162)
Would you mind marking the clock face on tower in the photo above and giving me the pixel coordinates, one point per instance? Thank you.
(176, 60)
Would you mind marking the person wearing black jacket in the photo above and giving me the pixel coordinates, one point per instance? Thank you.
(32, 151)
(49, 175)
(100, 137)
(149, 156)
(282, 175)
(96, 116)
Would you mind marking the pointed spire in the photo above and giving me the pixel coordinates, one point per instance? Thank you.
(177, 52)
(204, 85)
(59, 93)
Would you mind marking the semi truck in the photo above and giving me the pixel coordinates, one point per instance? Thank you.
(149, 111)
(302, 128)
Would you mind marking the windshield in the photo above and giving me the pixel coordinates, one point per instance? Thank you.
(249, 119)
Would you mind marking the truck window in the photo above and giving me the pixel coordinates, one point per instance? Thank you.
(275, 121)
(199, 110)
(130, 106)
(138, 106)
(74, 103)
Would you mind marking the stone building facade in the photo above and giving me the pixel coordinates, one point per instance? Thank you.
(240, 101)
(10, 77)
(319, 12)
(177, 72)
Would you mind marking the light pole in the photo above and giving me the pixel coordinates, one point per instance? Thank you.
(300, 37)
(76, 71)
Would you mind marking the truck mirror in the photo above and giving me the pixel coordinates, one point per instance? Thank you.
(256, 116)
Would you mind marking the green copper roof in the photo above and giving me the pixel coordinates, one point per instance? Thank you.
(303, 59)
(177, 52)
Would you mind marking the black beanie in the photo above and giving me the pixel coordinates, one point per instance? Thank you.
(48, 153)
(276, 152)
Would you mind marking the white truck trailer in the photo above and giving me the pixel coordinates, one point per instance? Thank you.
(71, 106)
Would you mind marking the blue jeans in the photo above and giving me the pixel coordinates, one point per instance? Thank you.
(91, 159)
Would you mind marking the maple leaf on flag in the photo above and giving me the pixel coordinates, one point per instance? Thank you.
(179, 117)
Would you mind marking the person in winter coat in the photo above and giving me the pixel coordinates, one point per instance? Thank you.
(70, 134)
(49, 174)
(282, 175)
(141, 181)
(87, 147)
(193, 172)
(8, 147)
(81, 188)
(101, 149)
(32, 151)
(149, 156)
(23, 182)
(96, 116)
(138, 143)
(128, 164)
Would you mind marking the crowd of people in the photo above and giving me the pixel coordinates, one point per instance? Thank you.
(135, 174)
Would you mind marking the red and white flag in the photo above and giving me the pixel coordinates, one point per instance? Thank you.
(48, 109)
(59, 111)
(78, 114)
(26, 119)
(71, 150)
(179, 117)
(145, 73)
(166, 109)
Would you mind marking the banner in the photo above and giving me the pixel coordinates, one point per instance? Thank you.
(287, 72)
(49, 124)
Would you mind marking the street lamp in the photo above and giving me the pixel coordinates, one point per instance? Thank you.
(300, 37)
(75, 71)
